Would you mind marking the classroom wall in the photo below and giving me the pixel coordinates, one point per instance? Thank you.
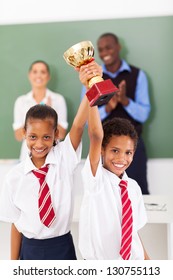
(31, 11)
(147, 43)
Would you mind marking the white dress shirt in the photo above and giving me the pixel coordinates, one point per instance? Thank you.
(19, 197)
(24, 102)
(100, 217)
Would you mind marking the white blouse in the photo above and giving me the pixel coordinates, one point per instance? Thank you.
(19, 197)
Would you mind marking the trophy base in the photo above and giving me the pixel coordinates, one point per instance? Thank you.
(100, 93)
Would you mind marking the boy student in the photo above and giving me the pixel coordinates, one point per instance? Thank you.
(37, 197)
(112, 210)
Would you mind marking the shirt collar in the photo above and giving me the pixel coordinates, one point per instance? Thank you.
(29, 165)
(29, 95)
(114, 179)
(124, 67)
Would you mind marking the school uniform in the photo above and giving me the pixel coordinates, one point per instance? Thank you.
(101, 214)
(19, 198)
(24, 102)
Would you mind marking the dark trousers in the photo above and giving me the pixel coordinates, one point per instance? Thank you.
(57, 248)
(138, 168)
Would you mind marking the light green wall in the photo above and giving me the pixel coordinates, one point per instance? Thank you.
(147, 43)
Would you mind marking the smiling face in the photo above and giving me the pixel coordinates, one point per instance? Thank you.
(39, 75)
(109, 50)
(118, 154)
(40, 135)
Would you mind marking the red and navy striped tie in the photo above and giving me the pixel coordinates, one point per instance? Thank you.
(127, 222)
(46, 211)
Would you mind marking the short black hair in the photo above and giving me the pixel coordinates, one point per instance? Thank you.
(40, 61)
(41, 112)
(118, 127)
(115, 37)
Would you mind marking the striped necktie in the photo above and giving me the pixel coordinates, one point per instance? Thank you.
(46, 211)
(127, 222)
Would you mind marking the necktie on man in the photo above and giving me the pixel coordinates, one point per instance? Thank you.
(46, 211)
(127, 222)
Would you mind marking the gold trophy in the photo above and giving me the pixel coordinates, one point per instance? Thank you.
(100, 91)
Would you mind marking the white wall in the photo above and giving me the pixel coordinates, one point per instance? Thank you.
(33, 11)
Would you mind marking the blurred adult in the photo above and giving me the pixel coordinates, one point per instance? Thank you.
(131, 102)
(39, 76)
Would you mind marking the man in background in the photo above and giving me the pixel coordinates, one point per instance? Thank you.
(131, 102)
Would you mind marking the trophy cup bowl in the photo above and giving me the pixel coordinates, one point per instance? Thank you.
(100, 91)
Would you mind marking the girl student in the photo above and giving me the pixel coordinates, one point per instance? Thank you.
(37, 196)
(39, 76)
(112, 210)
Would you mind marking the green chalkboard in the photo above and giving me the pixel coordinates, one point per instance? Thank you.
(147, 43)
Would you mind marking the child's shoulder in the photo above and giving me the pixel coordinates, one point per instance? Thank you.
(15, 171)
(132, 184)
(62, 148)
(132, 181)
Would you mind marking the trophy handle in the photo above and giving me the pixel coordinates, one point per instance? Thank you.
(94, 80)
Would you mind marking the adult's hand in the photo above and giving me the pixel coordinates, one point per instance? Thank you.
(121, 94)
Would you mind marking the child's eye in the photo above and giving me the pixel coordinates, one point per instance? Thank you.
(46, 137)
(129, 153)
(32, 137)
(115, 151)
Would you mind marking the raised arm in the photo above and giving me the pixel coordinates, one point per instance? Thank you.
(95, 132)
(86, 72)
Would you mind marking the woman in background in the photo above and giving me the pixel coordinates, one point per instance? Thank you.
(39, 76)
